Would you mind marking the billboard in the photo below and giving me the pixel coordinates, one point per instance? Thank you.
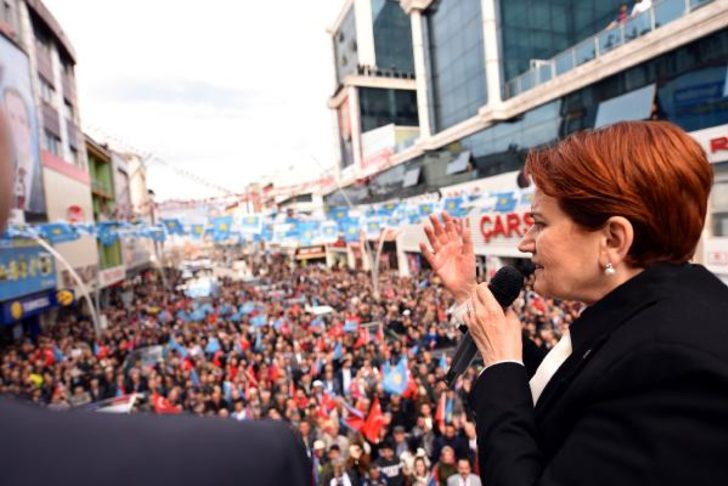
(25, 268)
(16, 99)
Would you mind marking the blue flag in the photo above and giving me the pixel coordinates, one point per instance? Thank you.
(395, 379)
(339, 213)
(506, 202)
(259, 321)
(426, 208)
(197, 231)
(213, 346)
(58, 232)
(221, 227)
(351, 230)
(252, 224)
(173, 226)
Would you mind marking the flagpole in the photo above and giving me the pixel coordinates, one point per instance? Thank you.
(76, 278)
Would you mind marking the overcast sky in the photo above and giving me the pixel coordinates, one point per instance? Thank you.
(231, 90)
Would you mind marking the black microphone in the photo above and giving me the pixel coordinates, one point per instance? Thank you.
(505, 287)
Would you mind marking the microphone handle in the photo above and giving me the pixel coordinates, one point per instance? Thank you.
(464, 354)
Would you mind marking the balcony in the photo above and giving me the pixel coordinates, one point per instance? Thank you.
(660, 14)
(102, 189)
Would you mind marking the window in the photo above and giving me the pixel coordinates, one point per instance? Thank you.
(346, 54)
(68, 111)
(52, 143)
(47, 93)
(456, 61)
(392, 37)
(381, 107)
(459, 163)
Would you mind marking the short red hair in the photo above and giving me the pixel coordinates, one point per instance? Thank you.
(652, 173)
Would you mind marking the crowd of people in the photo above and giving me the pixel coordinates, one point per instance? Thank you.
(360, 379)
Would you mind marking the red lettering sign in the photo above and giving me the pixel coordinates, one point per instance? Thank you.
(718, 144)
(511, 225)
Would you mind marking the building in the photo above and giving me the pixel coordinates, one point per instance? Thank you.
(375, 96)
(104, 193)
(52, 180)
(495, 79)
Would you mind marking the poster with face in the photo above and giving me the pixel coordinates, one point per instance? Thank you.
(16, 100)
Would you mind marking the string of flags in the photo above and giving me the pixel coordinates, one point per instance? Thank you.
(346, 222)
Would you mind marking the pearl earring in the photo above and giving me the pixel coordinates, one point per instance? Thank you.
(609, 271)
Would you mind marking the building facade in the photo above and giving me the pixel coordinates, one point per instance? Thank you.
(495, 79)
(37, 83)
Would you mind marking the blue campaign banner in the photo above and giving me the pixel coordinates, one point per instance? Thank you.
(31, 305)
(25, 268)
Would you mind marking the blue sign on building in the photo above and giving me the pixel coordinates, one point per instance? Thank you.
(25, 268)
(31, 305)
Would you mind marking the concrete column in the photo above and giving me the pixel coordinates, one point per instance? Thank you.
(355, 120)
(418, 47)
(365, 32)
(491, 41)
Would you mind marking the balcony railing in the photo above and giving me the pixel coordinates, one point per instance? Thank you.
(659, 14)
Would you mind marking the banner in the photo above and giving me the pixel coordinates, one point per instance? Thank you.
(25, 268)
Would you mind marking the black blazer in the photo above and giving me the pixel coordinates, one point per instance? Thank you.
(642, 400)
(40, 447)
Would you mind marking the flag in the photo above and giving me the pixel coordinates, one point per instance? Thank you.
(107, 232)
(221, 227)
(213, 346)
(248, 308)
(388, 208)
(119, 404)
(197, 231)
(58, 232)
(506, 202)
(162, 405)
(396, 379)
(338, 351)
(373, 227)
(194, 378)
(374, 422)
(443, 362)
(339, 213)
(526, 198)
(350, 228)
(351, 325)
(58, 354)
(155, 233)
(454, 207)
(259, 321)
(328, 232)
(173, 226)
(252, 224)
(426, 208)
(353, 417)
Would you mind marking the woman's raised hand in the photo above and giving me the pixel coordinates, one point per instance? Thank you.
(452, 257)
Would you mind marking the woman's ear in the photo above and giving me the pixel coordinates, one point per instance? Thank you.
(618, 236)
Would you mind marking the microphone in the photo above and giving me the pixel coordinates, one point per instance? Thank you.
(505, 287)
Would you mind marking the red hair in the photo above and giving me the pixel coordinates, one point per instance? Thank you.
(652, 173)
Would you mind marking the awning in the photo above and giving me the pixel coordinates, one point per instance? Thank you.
(459, 163)
(635, 105)
(411, 177)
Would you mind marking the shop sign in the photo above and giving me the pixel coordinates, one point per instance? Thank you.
(110, 276)
(25, 268)
(311, 252)
(510, 225)
(18, 309)
(714, 141)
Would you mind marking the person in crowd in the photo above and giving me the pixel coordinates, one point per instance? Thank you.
(464, 476)
(634, 391)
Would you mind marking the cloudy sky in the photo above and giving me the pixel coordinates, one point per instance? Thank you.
(231, 90)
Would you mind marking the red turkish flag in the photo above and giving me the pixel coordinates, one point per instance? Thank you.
(374, 423)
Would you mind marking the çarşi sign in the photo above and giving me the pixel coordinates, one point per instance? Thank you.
(714, 141)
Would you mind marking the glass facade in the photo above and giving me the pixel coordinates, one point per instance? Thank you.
(540, 29)
(392, 37)
(379, 107)
(345, 47)
(691, 91)
(455, 61)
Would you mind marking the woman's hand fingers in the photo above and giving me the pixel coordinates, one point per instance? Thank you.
(432, 238)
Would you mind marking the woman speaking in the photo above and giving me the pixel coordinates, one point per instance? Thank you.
(636, 392)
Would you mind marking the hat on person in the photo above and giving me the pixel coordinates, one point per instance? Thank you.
(398, 430)
(318, 383)
(319, 445)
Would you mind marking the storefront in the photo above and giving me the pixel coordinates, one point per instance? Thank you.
(307, 255)
(27, 287)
